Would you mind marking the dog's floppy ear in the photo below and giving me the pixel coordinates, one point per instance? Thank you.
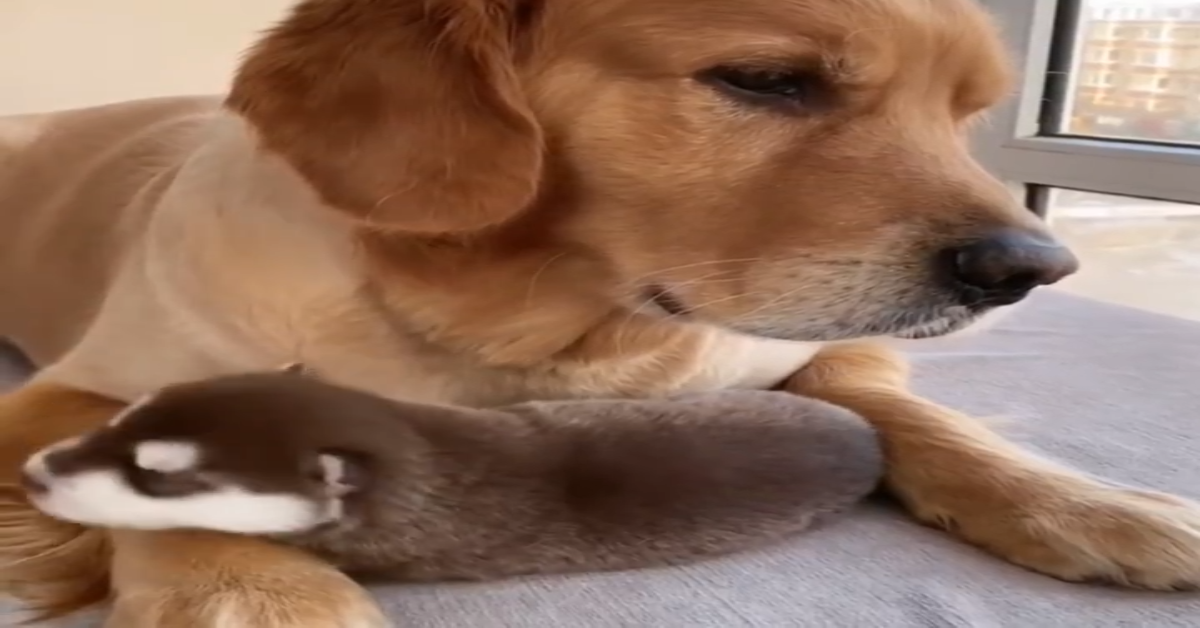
(407, 114)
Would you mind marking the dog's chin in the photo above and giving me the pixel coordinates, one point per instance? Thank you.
(938, 328)
(924, 329)
(935, 321)
(979, 320)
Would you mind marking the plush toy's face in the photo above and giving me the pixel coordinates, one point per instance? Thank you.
(158, 466)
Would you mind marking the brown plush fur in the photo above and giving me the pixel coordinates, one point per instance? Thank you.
(420, 492)
(480, 202)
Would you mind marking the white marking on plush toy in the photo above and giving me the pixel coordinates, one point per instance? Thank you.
(333, 474)
(102, 498)
(166, 456)
(333, 471)
(138, 404)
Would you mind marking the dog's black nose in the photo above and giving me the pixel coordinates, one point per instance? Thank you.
(1005, 266)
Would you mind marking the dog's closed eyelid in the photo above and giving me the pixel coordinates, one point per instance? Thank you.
(795, 89)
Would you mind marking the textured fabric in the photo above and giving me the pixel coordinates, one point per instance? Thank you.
(1109, 390)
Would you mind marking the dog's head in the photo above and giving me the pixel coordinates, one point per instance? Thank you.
(789, 168)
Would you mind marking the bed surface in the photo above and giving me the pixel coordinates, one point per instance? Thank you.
(1110, 390)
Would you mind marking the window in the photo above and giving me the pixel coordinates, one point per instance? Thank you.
(1134, 251)
(1102, 54)
(1142, 82)
(1104, 30)
(1115, 170)
(1157, 57)
(1147, 82)
(1097, 78)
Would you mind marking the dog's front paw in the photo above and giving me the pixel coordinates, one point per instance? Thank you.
(316, 599)
(1084, 531)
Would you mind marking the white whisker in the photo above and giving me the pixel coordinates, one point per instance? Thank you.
(636, 281)
(534, 279)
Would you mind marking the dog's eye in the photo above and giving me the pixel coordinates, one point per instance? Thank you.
(792, 86)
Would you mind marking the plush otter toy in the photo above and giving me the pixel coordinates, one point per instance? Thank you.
(422, 492)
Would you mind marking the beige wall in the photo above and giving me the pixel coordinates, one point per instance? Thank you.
(68, 53)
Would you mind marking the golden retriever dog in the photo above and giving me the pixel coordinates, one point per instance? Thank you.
(485, 201)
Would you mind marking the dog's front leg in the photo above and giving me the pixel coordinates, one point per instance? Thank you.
(209, 580)
(953, 472)
(158, 580)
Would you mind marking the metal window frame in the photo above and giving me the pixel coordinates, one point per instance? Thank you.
(1013, 143)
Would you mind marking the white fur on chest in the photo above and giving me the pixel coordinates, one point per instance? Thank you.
(749, 362)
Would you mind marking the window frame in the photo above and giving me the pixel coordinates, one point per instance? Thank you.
(1012, 143)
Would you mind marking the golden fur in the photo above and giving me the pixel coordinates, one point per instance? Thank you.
(474, 202)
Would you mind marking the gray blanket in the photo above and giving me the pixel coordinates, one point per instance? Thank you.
(1110, 390)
